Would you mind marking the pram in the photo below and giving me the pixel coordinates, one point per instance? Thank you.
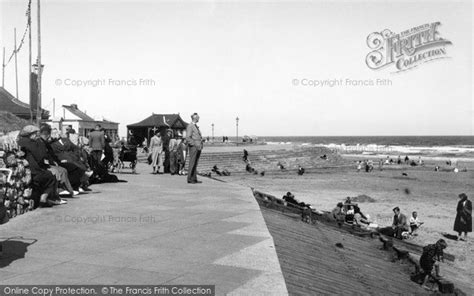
(127, 153)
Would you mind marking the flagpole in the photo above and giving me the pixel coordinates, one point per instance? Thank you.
(40, 69)
(16, 63)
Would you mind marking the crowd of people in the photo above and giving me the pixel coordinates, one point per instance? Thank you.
(167, 154)
(348, 212)
(46, 167)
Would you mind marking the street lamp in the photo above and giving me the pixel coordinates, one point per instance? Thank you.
(212, 132)
(237, 130)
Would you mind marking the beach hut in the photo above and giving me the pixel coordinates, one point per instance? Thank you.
(145, 129)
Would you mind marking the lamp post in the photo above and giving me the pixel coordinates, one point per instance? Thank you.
(237, 130)
(212, 132)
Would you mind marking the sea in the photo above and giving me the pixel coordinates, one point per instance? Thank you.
(455, 146)
(414, 141)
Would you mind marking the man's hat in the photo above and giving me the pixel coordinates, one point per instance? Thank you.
(462, 195)
(28, 130)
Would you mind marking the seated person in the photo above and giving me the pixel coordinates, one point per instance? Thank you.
(400, 223)
(216, 170)
(62, 155)
(66, 151)
(338, 212)
(350, 215)
(414, 222)
(431, 254)
(45, 192)
(290, 199)
(359, 218)
(300, 171)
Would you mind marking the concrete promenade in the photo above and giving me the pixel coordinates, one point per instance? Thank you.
(155, 229)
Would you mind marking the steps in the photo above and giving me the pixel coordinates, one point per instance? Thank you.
(266, 160)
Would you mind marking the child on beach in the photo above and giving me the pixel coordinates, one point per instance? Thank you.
(414, 222)
(431, 254)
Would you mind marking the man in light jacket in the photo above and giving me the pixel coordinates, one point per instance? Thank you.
(194, 140)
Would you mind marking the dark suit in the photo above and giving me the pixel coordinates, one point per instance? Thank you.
(194, 140)
(67, 151)
(43, 181)
(97, 144)
(400, 224)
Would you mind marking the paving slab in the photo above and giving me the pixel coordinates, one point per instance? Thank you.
(153, 229)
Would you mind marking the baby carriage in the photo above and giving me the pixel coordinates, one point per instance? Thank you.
(128, 153)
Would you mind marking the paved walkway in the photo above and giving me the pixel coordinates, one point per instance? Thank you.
(155, 229)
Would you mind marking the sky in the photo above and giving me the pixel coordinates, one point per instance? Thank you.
(248, 59)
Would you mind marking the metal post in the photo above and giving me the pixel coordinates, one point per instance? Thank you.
(237, 130)
(213, 132)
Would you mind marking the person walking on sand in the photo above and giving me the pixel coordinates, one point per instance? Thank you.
(463, 221)
(156, 150)
(194, 140)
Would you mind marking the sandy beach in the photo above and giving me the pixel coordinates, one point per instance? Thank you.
(432, 194)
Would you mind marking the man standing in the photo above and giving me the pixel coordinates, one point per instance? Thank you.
(166, 149)
(400, 223)
(97, 145)
(194, 140)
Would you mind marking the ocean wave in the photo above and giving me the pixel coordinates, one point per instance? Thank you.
(278, 143)
(402, 149)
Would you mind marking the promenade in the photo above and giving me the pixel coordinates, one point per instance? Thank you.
(155, 229)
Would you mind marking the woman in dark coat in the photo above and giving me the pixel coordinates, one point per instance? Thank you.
(463, 221)
(45, 186)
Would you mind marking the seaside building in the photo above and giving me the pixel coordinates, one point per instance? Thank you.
(145, 129)
(74, 118)
(13, 105)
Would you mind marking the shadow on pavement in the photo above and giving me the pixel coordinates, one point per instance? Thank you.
(13, 248)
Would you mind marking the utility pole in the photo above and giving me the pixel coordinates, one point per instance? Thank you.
(16, 63)
(3, 69)
(40, 68)
(29, 64)
(54, 107)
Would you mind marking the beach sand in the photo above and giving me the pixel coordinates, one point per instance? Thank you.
(432, 194)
